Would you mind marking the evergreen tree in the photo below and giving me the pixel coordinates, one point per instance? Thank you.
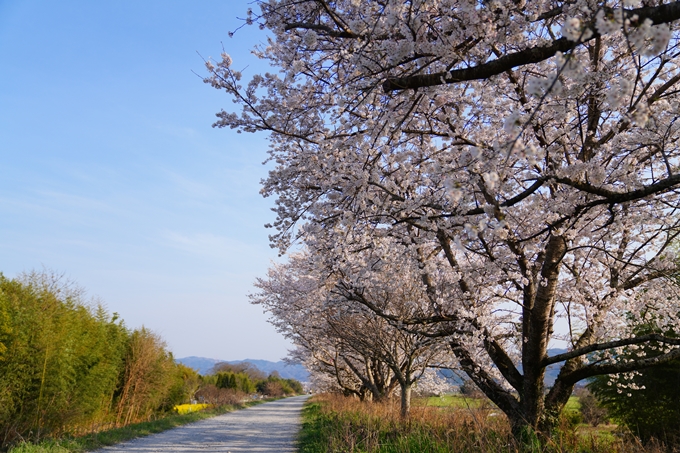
(645, 401)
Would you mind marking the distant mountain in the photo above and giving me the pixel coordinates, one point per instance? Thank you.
(200, 364)
(204, 366)
(552, 371)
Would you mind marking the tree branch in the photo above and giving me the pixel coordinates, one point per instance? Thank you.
(609, 345)
(662, 14)
(611, 368)
(611, 196)
(320, 27)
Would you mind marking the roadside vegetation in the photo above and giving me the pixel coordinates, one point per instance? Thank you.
(232, 383)
(101, 439)
(332, 422)
(74, 377)
(67, 366)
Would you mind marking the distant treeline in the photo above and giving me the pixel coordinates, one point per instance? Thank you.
(233, 380)
(67, 365)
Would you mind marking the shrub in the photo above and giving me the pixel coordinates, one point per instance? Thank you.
(646, 401)
(211, 394)
(235, 381)
(651, 410)
(295, 386)
(470, 389)
(592, 412)
(273, 388)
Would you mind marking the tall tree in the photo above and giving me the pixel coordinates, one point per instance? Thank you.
(531, 146)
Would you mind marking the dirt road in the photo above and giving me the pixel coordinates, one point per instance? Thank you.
(269, 427)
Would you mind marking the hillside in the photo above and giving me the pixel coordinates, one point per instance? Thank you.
(204, 366)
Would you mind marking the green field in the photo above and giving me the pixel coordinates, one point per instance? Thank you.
(454, 400)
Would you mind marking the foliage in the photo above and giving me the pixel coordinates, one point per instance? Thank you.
(66, 364)
(237, 381)
(147, 379)
(646, 401)
(185, 382)
(234, 383)
(470, 389)
(519, 158)
(275, 386)
(249, 369)
(592, 412)
(295, 386)
(63, 358)
(215, 396)
(96, 440)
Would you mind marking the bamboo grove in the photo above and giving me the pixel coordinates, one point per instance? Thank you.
(68, 366)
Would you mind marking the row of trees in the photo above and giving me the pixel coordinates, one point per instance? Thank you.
(481, 177)
(248, 379)
(232, 384)
(67, 365)
(347, 346)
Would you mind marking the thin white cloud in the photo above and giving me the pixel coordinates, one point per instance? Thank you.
(190, 186)
(207, 244)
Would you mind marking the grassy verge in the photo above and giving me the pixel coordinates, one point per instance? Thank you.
(114, 436)
(337, 424)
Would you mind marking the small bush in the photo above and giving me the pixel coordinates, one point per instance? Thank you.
(295, 386)
(211, 394)
(273, 389)
(591, 410)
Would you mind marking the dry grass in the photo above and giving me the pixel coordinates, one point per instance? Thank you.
(335, 423)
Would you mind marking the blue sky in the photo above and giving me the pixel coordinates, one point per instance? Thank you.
(111, 173)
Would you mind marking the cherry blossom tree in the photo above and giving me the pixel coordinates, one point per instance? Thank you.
(295, 297)
(522, 155)
(314, 307)
(432, 382)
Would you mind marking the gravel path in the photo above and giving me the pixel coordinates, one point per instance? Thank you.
(269, 427)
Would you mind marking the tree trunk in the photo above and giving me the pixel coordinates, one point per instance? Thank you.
(405, 399)
(527, 412)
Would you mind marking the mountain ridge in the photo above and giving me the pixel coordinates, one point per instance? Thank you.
(205, 365)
